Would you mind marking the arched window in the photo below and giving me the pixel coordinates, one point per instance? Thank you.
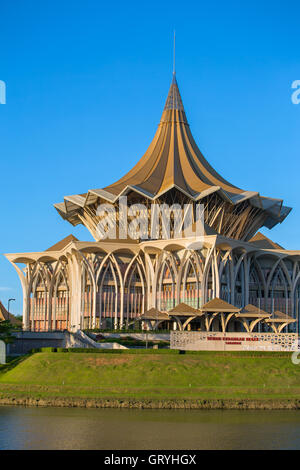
(134, 293)
(108, 295)
(60, 302)
(39, 302)
(166, 285)
(190, 291)
(86, 298)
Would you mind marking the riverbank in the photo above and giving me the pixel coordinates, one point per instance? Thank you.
(153, 405)
(152, 381)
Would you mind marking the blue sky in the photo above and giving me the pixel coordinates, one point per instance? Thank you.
(86, 85)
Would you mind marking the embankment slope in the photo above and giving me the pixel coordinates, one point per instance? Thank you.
(152, 381)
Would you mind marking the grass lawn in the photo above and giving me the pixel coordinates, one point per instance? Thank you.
(151, 376)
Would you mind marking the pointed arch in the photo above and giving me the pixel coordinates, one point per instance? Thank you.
(108, 285)
(166, 284)
(39, 298)
(135, 290)
(189, 281)
(59, 316)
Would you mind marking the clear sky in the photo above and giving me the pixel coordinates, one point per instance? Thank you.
(86, 85)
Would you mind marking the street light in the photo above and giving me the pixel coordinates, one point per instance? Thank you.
(9, 300)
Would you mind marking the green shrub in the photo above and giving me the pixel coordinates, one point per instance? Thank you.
(234, 354)
(122, 351)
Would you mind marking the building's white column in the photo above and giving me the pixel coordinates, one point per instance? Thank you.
(122, 293)
(217, 292)
(150, 282)
(247, 277)
(26, 298)
(232, 283)
(75, 291)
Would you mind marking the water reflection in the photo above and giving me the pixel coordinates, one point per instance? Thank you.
(65, 428)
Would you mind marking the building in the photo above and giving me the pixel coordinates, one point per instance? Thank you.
(110, 283)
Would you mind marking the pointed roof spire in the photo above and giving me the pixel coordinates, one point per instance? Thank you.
(174, 100)
(174, 56)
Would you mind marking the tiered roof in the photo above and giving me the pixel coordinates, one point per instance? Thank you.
(173, 160)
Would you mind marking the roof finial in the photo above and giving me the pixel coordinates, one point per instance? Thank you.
(174, 54)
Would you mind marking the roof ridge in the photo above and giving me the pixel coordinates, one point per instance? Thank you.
(260, 237)
(61, 244)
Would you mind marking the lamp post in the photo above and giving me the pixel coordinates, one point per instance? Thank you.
(8, 304)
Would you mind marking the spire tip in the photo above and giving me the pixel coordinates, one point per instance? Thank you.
(174, 54)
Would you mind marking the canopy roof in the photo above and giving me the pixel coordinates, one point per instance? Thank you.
(154, 314)
(184, 310)
(250, 311)
(219, 305)
(173, 160)
(280, 317)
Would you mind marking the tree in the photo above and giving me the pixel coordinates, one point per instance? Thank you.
(5, 331)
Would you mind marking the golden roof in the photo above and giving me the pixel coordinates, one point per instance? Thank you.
(261, 241)
(184, 310)
(219, 305)
(63, 243)
(154, 314)
(250, 311)
(280, 317)
(173, 160)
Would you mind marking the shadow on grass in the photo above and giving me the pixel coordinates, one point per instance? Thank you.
(12, 363)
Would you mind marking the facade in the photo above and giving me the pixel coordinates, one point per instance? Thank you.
(109, 283)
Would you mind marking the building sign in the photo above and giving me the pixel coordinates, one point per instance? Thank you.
(216, 341)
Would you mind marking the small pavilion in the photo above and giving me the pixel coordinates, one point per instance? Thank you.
(184, 314)
(153, 318)
(279, 321)
(250, 316)
(218, 309)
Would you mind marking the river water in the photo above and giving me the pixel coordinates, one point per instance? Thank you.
(111, 429)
